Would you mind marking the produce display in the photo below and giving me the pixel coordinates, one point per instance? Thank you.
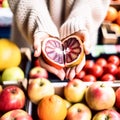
(103, 69)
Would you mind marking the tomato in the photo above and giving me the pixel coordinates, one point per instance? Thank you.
(110, 68)
(114, 59)
(101, 61)
(89, 78)
(107, 77)
(118, 73)
(88, 65)
(81, 74)
(96, 70)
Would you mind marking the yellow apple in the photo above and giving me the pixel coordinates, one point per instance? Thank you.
(39, 88)
(74, 90)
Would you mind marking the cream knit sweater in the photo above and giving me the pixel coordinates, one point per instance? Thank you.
(58, 18)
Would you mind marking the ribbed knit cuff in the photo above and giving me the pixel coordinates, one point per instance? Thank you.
(71, 26)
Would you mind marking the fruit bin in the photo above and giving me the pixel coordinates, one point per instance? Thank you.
(22, 83)
(59, 91)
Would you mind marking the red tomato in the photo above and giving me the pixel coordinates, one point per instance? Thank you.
(107, 77)
(101, 61)
(118, 73)
(88, 65)
(110, 68)
(89, 78)
(96, 70)
(114, 59)
(81, 74)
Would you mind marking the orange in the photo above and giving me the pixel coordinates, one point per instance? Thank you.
(111, 14)
(65, 53)
(10, 54)
(52, 108)
(118, 18)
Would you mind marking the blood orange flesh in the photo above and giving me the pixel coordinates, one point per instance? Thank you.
(53, 52)
(59, 54)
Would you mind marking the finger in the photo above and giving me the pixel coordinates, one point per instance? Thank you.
(38, 38)
(71, 74)
(59, 73)
(37, 47)
(67, 73)
(80, 66)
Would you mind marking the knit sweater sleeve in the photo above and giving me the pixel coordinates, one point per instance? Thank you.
(85, 15)
(32, 16)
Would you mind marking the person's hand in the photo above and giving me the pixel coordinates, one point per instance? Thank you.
(60, 73)
(71, 72)
(38, 38)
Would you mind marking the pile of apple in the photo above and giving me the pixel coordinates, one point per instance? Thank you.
(12, 103)
(103, 69)
(96, 101)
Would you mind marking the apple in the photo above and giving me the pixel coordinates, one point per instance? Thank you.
(39, 88)
(79, 111)
(38, 72)
(74, 90)
(12, 74)
(17, 114)
(100, 95)
(108, 114)
(5, 4)
(12, 97)
(117, 93)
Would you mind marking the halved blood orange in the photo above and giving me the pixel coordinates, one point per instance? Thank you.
(66, 53)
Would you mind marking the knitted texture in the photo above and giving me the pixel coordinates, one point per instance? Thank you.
(58, 18)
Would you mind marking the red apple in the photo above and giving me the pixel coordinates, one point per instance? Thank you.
(108, 114)
(79, 111)
(74, 91)
(38, 72)
(39, 88)
(117, 102)
(17, 114)
(12, 97)
(100, 95)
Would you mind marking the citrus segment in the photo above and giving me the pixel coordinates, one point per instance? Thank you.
(52, 52)
(73, 49)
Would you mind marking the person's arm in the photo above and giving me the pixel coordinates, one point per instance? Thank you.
(85, 15)
(85, 18)
(32, 16)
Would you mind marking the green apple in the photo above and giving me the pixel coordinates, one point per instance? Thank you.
(12, 74)
(5, 4)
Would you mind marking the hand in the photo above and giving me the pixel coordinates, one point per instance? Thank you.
(60, 73)
(71, 72)
(38, 38)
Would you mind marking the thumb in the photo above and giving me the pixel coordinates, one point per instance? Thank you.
(38, 38)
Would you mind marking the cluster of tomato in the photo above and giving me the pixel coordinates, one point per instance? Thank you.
(103, 69)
